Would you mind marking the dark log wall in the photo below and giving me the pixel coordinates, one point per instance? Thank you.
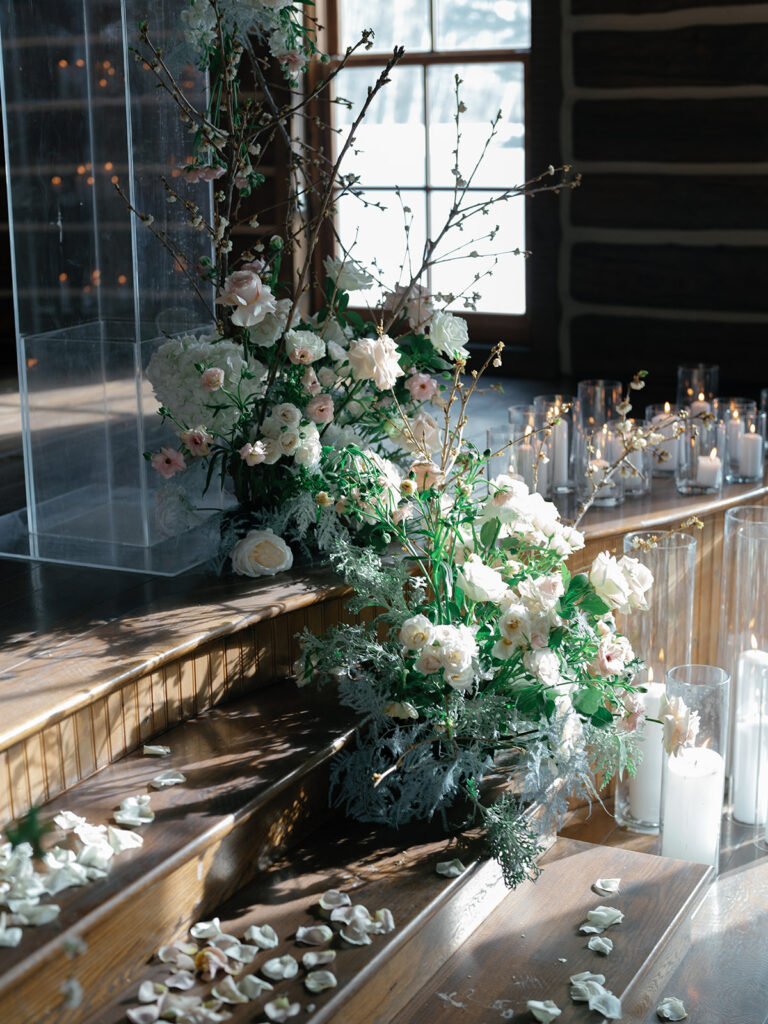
(664, 252)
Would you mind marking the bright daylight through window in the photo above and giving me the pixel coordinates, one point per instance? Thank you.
(408, 138)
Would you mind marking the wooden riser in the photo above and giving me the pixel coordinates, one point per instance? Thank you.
(257, 779)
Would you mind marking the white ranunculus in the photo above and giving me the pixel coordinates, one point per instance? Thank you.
(639, 580)
(542, 594)
(456, 646)
(459, 679)
(545, 665)
(287, 414)
(449, 334)
(416, 632)
(428, 661)
(376, 359)
(261, 553)
(308, 453)
(610, 582)
(514, 623)
(272, 450)
(347, 275)
(479, 582)
(289, 441)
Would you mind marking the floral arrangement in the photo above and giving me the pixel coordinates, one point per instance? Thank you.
(486, 656)
(271, 389)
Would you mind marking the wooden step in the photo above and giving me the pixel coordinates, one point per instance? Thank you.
(379, 868)
(530, 946)
(257, 779)
(79, 694)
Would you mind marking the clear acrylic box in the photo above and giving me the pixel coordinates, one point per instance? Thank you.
(95, 292)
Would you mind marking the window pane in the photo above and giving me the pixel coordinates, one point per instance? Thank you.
(504, 291)
(395, 22)
(482, 24)
(485, 89)
(377, 238)
(389, 146)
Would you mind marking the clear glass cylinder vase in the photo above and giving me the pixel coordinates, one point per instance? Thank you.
(701, 457)
(661, 636)
(697, 386)
(556, 413)
(693, 774)
(744, 652)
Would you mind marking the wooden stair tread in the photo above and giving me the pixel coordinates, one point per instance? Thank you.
(378, 867)
(256, 770)
(514, 955)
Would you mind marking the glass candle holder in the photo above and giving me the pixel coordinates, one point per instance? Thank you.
(558, 412)
(744, 653)
(498, 444)
(664, 416)
(701, 454)
(661, 636)
(745, 433)
(596, 402)
(597, 476)
(697, 386)
(764, 400)
(693, 778)
(636, 469)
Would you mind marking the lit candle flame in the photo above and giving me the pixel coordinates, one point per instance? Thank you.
(650, 674)
(661, 654)
(701, 396)
(752, 429)
(598, 453)
(713, 453)
(753, 641)
(666, 407)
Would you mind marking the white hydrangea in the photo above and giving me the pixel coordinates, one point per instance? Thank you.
(177, 382)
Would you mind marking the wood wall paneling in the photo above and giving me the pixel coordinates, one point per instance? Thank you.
(637, 6)
(697, 55)
(703, 131)
(718, 277)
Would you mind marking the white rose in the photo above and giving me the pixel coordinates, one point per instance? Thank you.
(336, 352)
(681, 725)
(416, 632)
(308, 453)
(347, 275)
(289, 441)
(456, 647)
(261, 553)
(272, 451)
(271, 427)
(610, 582)
(462, 679)
(542, 594)
(545, 665)
(503, 649)
(479, 582)
(449, 335)
(327, 377)
(376, 359)
(639, 580)
(303, 347)
(515, 623)
(287, 414)
(428, 661)
(613, 654)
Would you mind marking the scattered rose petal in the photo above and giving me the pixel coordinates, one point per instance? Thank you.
(314, 935)
(588, 988)
(206, 929)
(334, 898)
(59, 857)
(281, 1009)
(134, 810)
(155, 750)
(68, 820)
(170, 777)
(671, 1008)
(450, 868)
(150, 991)
(253, 987)
(122, 839)
(97, 855)
(319, 981)
(607, 1003)
(74, 946)
(562, 959)
(34, 914)
(91, 835)
(228, 992)
(224, 941)
(355, 936)
(210, 960)
(600, 944)
(72, 991)
(544, 1012)
(384, 922)
(280, 967)
(181, 980)
(8, 936)
(357, 916)
(601, 918)
(180, 955)
(242, 952)
(143, 1014)
(65, 878)
(264, 937)
(316, 959)
(582, 985)
(606, 886)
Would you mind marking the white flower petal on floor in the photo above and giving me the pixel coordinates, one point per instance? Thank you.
(228, 992)
(150, 991)
(155, 750)
(319, 981)
(264, 936)
(280, 968)
(606, 886)
(450, 868)
(68, 820)
(181, 980)
(8, 936)
(671, 1008)
(168, 778)
(314, 935)
(332, 899)
(601, 918)
(600, 944)
(281, 1009)
(122, 839)
(134, 810)
(253, 987)
(206, 929)
(543, 1011)
(318, 958)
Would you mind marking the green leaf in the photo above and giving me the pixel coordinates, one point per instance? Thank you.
(556, 638)
(602, 718)
(587, 701)
(488, 533)
(594, 605)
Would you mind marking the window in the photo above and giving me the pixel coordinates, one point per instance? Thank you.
(409, 135)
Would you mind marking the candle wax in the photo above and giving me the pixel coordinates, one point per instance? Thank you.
(708, 469)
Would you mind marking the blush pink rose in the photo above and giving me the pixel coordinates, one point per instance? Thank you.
(198, 440)
(213, 378)
(427, 475)
(251, 298)
(421, 386)
(320, 409)
(253, 454)
(168, 462)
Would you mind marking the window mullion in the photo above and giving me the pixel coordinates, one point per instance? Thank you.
(427, 161)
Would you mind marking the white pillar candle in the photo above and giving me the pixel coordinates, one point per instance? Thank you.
(693, 805)
(560, 451)
(634, 481)
(750, 454)
(734, 431)
(700, 406)
(750, 738)
(645, 787)
(708, 470)
(542, 469)
(524, 456)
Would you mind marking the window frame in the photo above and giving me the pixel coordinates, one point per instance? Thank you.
(530, 337)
